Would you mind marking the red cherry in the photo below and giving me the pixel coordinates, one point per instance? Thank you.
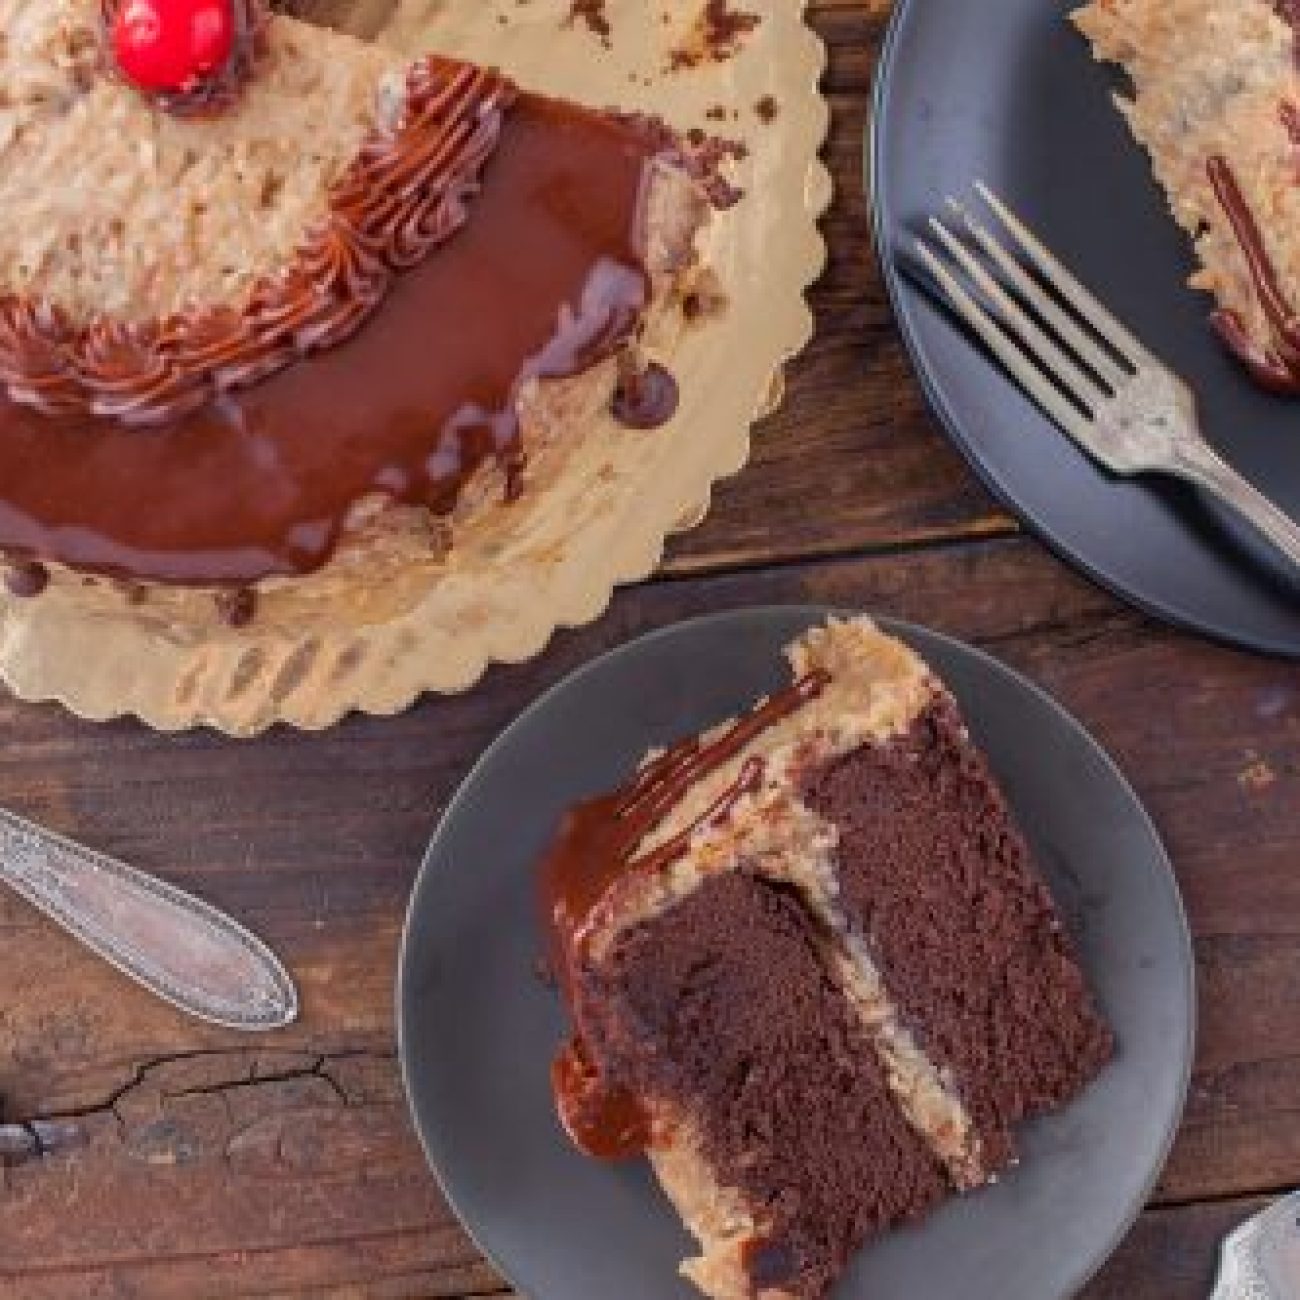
(172, 44)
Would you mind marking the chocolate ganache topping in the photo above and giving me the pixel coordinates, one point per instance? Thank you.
(224, 447)
(406, 192)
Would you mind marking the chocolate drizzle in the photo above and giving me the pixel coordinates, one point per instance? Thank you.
(596, 850)
(1289, 12)
(212, 95)
(645, 398)
(1275, 365)
(405, 194)
(546, 279)
(27, 579)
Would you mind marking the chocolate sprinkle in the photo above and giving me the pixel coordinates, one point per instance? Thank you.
(238, 607)
(27, 578)
(592, 13)
(715, 37)
(646, 398)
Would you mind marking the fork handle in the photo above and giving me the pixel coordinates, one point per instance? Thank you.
(1199, 463)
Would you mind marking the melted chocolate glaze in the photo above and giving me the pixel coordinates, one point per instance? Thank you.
(543, 281)
(646, 398)
(27, 579)
(1289, 12)
(592, 853)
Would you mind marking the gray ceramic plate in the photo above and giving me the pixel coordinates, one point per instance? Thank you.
(478, 1029)
(1006, 91)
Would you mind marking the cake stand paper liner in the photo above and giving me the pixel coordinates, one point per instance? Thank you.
(599, 524)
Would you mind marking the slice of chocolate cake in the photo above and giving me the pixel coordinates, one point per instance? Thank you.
(1215, 100)
(811, 971)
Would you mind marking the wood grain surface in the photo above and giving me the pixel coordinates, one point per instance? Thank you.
(144, 1156)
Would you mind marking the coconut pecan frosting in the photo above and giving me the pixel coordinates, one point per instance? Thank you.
(405, 193)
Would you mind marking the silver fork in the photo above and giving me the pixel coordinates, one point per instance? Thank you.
(1097, 382)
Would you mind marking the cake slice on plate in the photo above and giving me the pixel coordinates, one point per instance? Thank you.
(1216, 102)
(811, 971)
(281, 303)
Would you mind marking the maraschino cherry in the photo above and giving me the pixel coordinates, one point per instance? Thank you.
(173, 45)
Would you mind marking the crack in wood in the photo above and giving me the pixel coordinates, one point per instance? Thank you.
(38, 1137)
(687, 568)
(1081, 631)
(1265, 1193)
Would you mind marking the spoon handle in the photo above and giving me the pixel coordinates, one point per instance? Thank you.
(179, 947)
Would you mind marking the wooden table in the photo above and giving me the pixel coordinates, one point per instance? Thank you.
(143, 1155)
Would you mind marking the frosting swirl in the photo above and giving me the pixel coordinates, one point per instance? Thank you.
(405, 193)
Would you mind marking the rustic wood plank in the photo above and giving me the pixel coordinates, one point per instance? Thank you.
(185, 1155)
(1171, 1254)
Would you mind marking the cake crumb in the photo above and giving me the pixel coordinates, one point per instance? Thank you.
(27, 578)
(708, 153)
(704, 299)
(236, 607)
(716, 114)
(766, 109)
(1257, 777)
(592, 13)
(716, 35)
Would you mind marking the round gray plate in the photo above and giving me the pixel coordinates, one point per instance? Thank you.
(477, 1029)
(1007, 92)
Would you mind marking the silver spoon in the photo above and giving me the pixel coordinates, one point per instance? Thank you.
(1261, 1259)
(177, 946)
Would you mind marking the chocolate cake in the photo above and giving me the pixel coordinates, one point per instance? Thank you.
(1216, 102)
(310, 308)
(811, 971)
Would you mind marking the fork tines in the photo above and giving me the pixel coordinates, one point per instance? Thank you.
(1066, 350)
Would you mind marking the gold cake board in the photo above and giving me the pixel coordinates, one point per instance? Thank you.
(603, 522)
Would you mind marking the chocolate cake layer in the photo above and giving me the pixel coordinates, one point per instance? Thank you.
(937, 882)
(721, 1011)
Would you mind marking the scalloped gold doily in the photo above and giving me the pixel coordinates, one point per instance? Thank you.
(604, 521)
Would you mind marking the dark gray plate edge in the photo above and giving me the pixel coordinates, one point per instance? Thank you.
(1165, 611)
(905, 631)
